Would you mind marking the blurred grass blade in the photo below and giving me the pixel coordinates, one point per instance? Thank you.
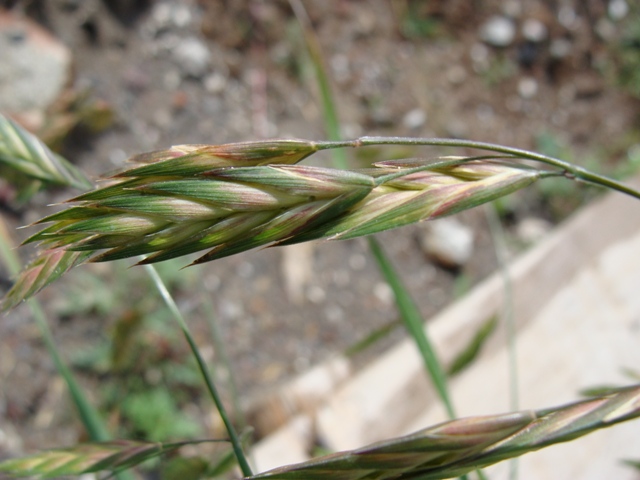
(453, 448)
(89, 457)
(329, 114)
(407, 308)
(24, 152)
(635, 464)
(413, 322)
(471, 351)
(88, 415)
(372, 338)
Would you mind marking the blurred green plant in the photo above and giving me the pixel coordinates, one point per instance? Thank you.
(415, 20)
(626, 52)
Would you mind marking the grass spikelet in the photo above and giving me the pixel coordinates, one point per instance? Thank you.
(49, 266)
(170, 212)
(87, 458)
(457, 447)
(22, 151)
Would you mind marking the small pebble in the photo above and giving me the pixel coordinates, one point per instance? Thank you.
(171, 80)
(340, 67)
(534, 30)
(384, 293)
(316, 294)
(560, 48)
(334, 313)
(479, 54)
(606, 29)
(531, 229)
(215, 83)
(166, 15)
(246, 270)
(117, 157)
(498, 31)
(567, 17)
(135, 79)
(180, 100)
(193, 57)
(448, 242)
(527, 87)
(618, 9)
(415, 118)
(512, 8)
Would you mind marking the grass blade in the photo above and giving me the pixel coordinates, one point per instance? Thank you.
(413, 322)
(408, 310)
(88, 415)
(471, 351)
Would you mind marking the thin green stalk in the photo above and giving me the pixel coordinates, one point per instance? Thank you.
(330, 116)
(498, 235)
(202, 366)
(413, 321)
(572, 171)
(224, 360)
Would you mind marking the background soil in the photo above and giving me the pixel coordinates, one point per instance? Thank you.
(175, 72)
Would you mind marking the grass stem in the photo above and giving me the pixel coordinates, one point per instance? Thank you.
(572, 171)
(211, 387)
(498, 236)
(89, 416)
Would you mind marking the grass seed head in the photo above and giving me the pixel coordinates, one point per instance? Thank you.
(230, 198)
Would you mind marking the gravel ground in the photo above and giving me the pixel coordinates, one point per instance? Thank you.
(520, 73)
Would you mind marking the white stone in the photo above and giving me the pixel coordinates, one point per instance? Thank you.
(560, 48)
(534, 30)
(618, 9)
(527, 87)
(193, 56)
(498, 31)
(532, 229)
(215, 83)
(448, 241)
(415, 118)
(567, 17)
(34, 66)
